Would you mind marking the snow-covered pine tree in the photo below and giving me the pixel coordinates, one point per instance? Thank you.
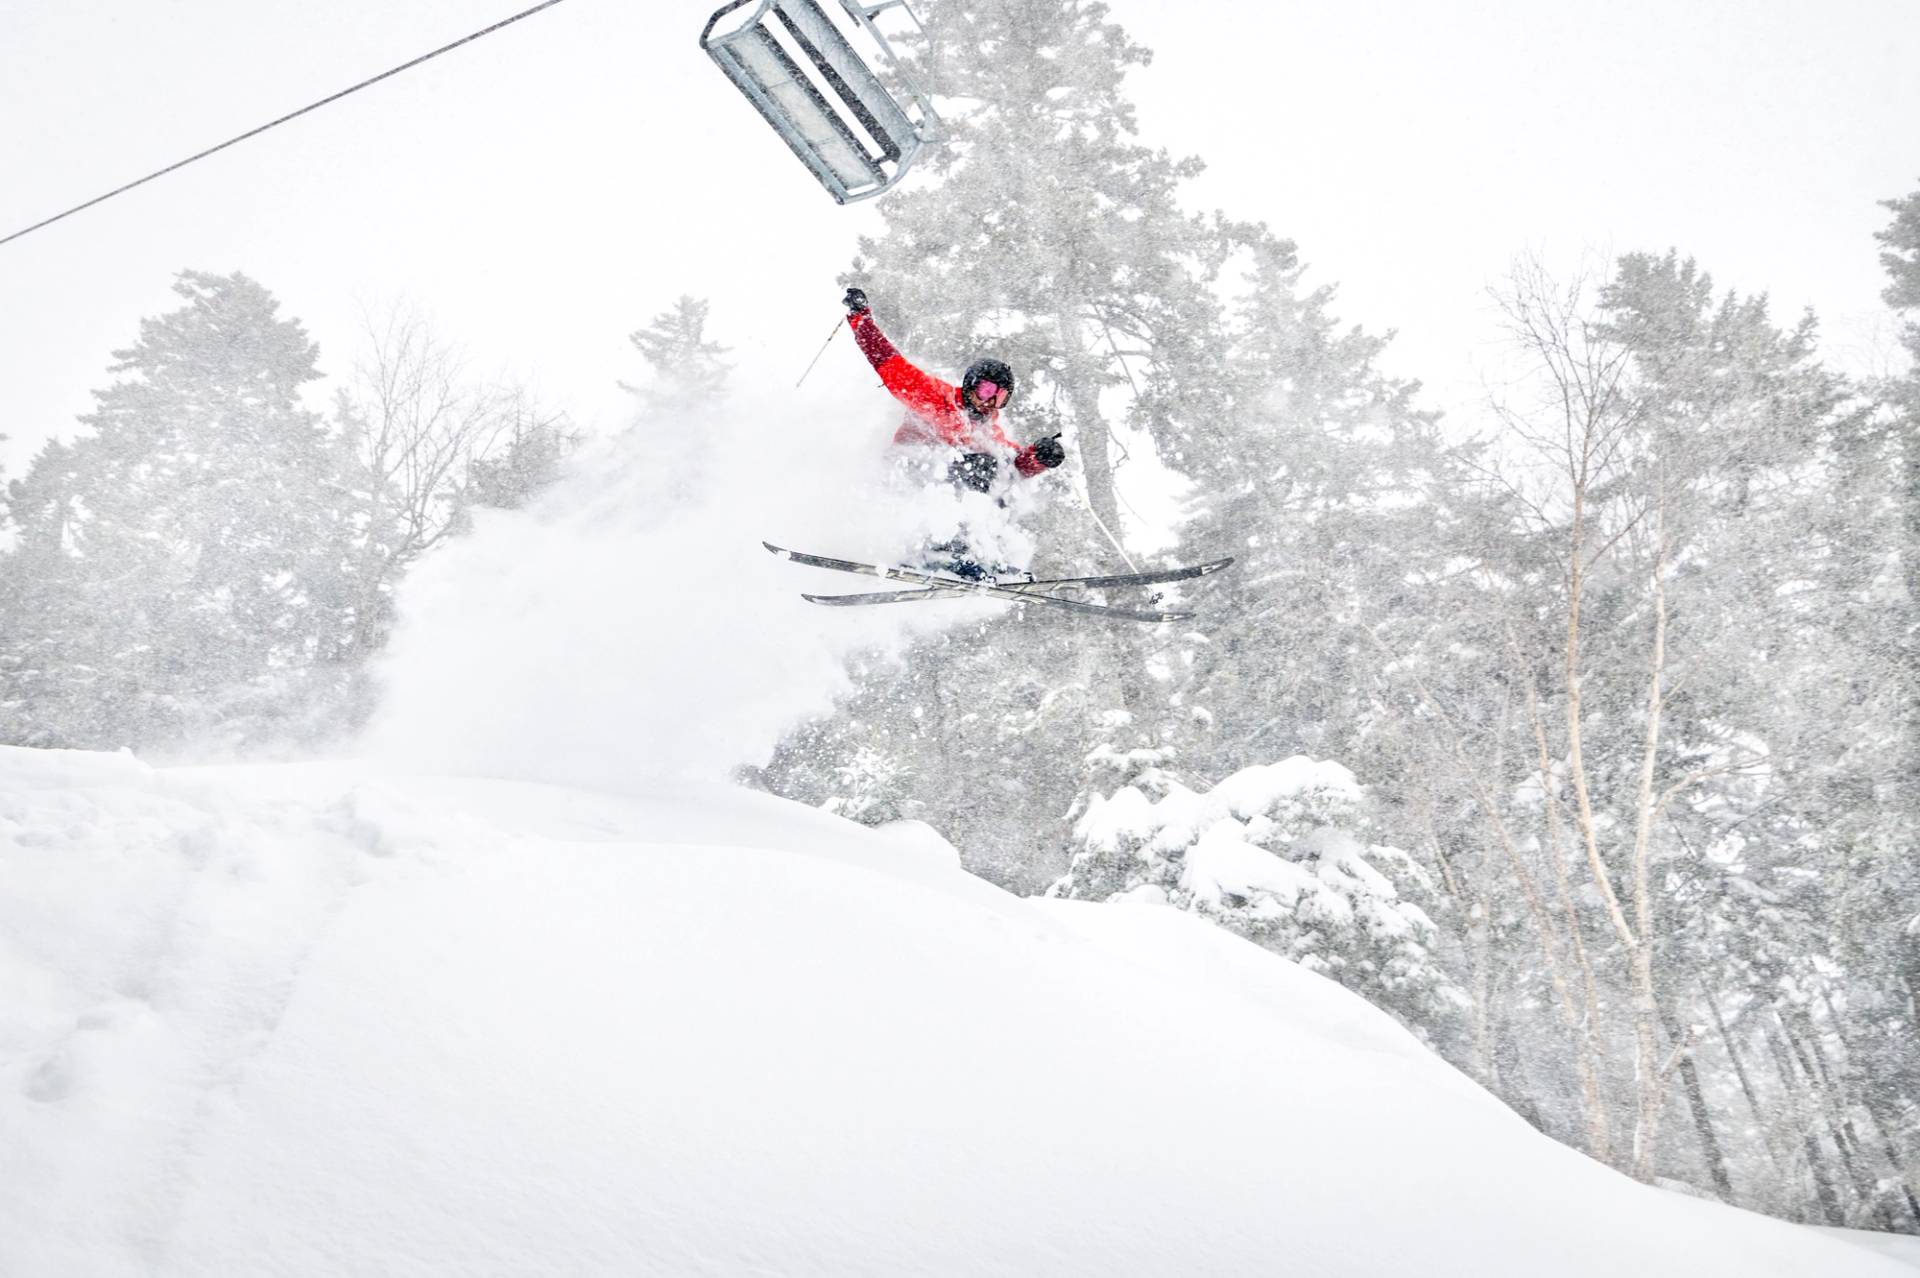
(972, 731)
(686, 384)
(1276, 853)
(183, 563)
(1901, 257)
(1887, 933)
(526, 459)
(1319, 472)
(687, 370)
(37, 692)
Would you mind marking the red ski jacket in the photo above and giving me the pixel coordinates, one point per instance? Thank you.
(937, 415)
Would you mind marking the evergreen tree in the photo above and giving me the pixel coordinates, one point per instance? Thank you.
(687, 384)
(181, 564)
(1318, 472)
(1272, 853)
(1901, 459)
(519, 466)
(687, 369)
(1890, 923)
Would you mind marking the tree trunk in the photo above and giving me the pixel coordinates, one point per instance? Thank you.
(1823, 1189)
(1094, 440)
(1697, 1104)
(1910, 563)
(1760, 1120)
(1870, 1103)
(1804, 1039)
(1480, 929)
(1091, 435)
(1585, 1025)
(1646, 998)
(1576, 733)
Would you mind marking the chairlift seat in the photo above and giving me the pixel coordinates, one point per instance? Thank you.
(801, 70)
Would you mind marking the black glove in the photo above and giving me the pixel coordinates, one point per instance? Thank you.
(855, 301)
(1049, 452)
(975, 471)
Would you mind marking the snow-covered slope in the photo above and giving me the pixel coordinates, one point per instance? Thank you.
(319, 1021)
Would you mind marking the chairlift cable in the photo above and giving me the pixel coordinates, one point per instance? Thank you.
(405, 66)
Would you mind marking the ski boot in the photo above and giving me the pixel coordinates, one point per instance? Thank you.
(954, 559)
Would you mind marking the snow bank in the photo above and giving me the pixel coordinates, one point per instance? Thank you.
(1225, 841)
(319, 1020)
(1181, 815)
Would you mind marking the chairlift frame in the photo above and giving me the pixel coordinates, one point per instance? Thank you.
(804, 76)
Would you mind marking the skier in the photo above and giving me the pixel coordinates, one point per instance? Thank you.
(959, 425)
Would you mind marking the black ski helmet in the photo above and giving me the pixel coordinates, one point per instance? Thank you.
(988, 370)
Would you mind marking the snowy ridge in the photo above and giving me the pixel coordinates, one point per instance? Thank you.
(326, 1020)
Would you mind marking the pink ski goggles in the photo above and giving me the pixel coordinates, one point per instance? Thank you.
(992, 393)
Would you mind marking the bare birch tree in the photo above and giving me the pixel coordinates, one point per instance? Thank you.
(425, 432)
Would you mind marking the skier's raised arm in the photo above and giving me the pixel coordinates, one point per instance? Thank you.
(923, 393)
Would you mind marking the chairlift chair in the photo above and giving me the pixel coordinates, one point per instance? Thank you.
(801, 70)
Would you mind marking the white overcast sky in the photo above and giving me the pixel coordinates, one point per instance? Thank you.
(546, 190)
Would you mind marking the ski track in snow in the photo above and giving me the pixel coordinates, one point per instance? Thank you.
(206, 906)
(324, 1019)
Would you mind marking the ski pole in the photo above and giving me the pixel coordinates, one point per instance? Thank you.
(1125, 558)
(823, 350)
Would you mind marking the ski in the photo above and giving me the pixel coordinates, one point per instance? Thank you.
(1154, 578)
(953, 586)
(917, 595)
(1111, 582)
